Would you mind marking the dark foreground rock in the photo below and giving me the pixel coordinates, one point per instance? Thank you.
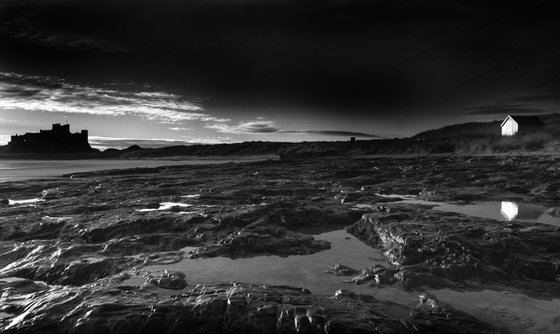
(225, 308)
(436, 250)
(377, 275)
(260, 238)
(173, 280)
(341, 270)
(62, 262)
(80, 232)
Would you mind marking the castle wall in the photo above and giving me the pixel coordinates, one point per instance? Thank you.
(58, 138)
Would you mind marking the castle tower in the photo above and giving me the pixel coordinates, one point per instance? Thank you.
(57, 140)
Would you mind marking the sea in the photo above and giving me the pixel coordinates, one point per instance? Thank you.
(17, 170)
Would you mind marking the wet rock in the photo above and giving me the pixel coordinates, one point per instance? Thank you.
(35, 229)
(341, 270)
(555, 212)
(147, 243)
(382, 208)
(115, 227)
(378, 275)
(231, 309)
(22, 286)
(62, 262)
(385, 276)
(50, 193)
(205, 227)
(260, 238)
(303, 214)
(507, 162)
(173, 280)
(366, 274)
(427, 194)
(431, 249)
(430, 311)
(107, 237)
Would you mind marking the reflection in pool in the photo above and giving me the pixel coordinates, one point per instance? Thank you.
(509, 210)
(498, 210)
(504, 211)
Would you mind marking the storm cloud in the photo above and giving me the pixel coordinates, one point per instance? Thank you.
(345, 56)
(356, 64)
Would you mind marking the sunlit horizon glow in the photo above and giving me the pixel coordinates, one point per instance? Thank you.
(103, 143)
(4, 139)
(120, 118)
(283, 71)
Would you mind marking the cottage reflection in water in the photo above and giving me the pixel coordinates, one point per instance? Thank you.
(509, 210)
(526, 212)
(498, 210)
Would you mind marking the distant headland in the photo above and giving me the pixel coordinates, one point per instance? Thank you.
(57, 140)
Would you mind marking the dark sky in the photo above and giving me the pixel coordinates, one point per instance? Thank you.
(278, 70)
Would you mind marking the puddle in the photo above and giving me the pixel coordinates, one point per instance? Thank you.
(89, 259)
(56, 219)
(396, 196)
(508, 311)
(498, 210)
(166, 206)
(192, 213)
(25, 201)
(11, 279)
(307, 271)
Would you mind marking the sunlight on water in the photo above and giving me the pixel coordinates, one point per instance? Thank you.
(16, 170)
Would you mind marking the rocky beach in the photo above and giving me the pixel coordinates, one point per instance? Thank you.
(329, 245)
(279, 166)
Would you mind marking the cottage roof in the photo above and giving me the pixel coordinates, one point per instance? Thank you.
(524, 120)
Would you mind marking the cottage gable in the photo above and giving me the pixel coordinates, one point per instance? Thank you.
(513, 125)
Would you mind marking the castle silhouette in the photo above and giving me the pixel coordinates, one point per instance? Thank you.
(58, 140)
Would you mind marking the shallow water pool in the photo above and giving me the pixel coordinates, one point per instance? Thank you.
(307, 271)
(509, 311)
(498, 210)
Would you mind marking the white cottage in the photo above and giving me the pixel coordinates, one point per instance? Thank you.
(513, 125)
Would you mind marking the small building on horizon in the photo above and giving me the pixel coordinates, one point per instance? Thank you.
(513, 125)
